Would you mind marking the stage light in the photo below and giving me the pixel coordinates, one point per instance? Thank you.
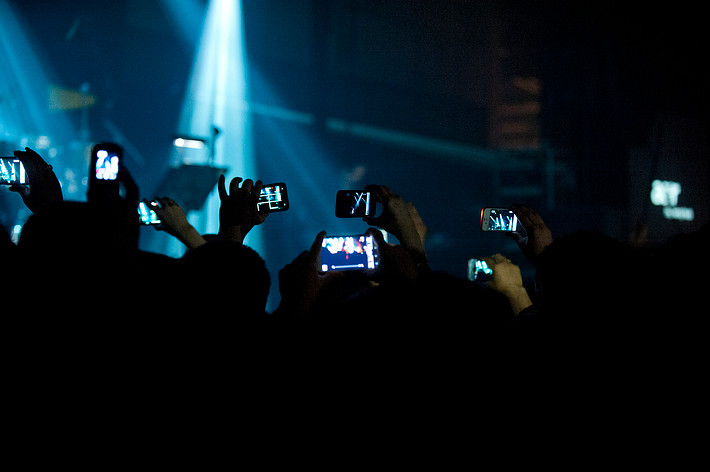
(301, 156)
(218, 96)
(24, 85)
(26, 119)
(215, 104)
(190, 143)
(665, 193)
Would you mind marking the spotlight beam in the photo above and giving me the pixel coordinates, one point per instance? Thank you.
(215, 103)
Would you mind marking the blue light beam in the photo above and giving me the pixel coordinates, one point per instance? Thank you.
(24, 87)
(217, 96)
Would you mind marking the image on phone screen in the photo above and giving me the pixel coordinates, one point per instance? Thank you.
(106, 164)
(12, 171)
(348, 253)
(273, 197)
(353, 204)
(498, 219)
(147, 215)
(479, 271)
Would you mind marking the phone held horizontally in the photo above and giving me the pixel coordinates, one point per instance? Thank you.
(357, 252)
(273, 197)
(354, 204)
(106, 158)
(498, 219)
(146, 212)
(479, 271)
(12, 171)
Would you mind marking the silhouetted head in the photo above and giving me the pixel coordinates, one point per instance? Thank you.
(228, 275)
(71, 235)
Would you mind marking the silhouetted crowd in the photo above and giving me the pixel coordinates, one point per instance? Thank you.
(77, 274)
(108, 347)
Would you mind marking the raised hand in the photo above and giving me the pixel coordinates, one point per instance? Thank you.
(399, 218)
(537, 235)
(237, 211)
(395, 261)
(300, 282)
(44, 189)
(508, 281)
(174, 222)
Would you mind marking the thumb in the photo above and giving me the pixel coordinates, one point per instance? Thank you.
(373, 220)
(520, 236)
(377, 236)
(314, 253)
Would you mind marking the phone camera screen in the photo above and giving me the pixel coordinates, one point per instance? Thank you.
(479, 271)
(147, 215)
(353, 204)
(12, 171)
(348, 253)
(272, 198)
(106, 165)
(502, 220)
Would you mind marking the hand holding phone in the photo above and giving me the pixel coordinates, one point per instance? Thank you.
(165, 214)
(399, 218)
(507, 280)
(239, 208)
(300, 281)
(535, 235)
(27, 169)
(273, 197)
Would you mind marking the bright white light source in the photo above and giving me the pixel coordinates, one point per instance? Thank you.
(189, 143)
(665, 193)
(679, 213)
(106, 168)
(15, 236)
(43, 142)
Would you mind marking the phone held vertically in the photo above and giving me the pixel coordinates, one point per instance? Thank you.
(354, 204)
(106, 161)
(357, 252)
(146, 214)
(498, 219)
(273, 197)
(12, 171)
(479, 271)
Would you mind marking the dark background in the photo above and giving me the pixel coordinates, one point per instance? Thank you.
(571, 109)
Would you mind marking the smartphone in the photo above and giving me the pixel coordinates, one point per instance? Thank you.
(498, 219)
(354, 204)
(106, 160)
(478, 270)
(12, 171)
(349, 253)
(146, 214)
(273, 197)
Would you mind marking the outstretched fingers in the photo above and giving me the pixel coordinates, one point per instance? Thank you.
(221, 189)
(234, 185)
